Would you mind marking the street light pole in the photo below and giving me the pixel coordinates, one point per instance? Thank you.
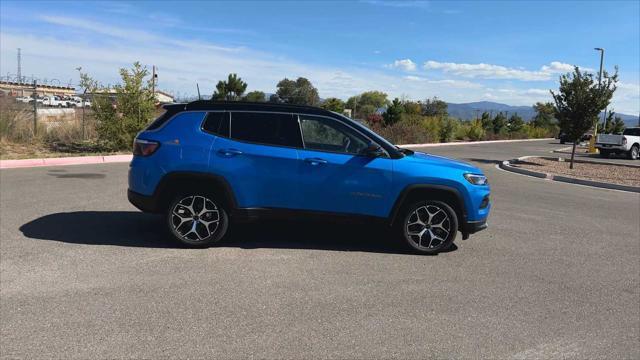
(592, 143)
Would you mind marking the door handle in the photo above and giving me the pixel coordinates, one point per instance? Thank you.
(315, 161)
(229, 152)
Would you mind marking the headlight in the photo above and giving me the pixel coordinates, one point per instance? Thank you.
(476, 179)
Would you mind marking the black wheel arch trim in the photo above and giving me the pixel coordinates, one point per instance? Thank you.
(171, 177)
(407, 190)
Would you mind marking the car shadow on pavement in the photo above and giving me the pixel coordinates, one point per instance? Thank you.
(136, 229)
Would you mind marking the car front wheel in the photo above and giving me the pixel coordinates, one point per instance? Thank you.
(430, 226)
(197, 220)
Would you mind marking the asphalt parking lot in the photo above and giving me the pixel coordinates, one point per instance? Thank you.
(85, 275)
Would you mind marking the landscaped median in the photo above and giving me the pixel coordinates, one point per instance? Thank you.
(592, 173)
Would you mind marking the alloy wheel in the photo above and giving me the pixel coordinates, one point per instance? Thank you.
(428, 226)
(195, 218)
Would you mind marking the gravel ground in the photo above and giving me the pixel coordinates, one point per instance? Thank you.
(617, 174)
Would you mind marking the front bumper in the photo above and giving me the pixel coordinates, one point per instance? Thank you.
(472, 227)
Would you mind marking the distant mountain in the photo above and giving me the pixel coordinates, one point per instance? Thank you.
(468, 111)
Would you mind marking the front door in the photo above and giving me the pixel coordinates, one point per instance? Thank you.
(334, 176)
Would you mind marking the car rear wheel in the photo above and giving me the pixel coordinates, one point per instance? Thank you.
(429, 227)
(634, 153)
(197, 220)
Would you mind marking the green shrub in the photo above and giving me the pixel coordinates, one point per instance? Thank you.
(475, 131)
(119, 122)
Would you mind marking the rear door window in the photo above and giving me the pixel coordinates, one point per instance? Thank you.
(266, 128)
(632, 132)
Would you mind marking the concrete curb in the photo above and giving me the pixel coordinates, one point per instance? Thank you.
(76, 160)
(506, 165)
(472, 142)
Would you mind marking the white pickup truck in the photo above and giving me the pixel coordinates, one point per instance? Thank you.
(627, 143)
(53, 101)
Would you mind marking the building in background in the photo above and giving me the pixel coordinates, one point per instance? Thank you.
(22, 89)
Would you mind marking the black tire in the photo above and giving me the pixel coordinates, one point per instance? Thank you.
(203, 233)
(435, 211)
(605, 153)
(634, 153)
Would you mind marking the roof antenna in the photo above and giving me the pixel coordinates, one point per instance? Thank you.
(198, 86)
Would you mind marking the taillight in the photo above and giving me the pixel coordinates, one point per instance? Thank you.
(624, 141)
(144, 147)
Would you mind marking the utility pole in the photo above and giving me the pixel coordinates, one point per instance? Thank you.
(84, 94)
(592, 142)
(35, 107)
(198, 87)
(153, 82)
(19, 66)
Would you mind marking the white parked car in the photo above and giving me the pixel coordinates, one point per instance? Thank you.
(627, 143)
(23, 99)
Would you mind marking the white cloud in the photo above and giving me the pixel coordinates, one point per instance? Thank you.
(404, 64)
(537, 92)
(490, 71)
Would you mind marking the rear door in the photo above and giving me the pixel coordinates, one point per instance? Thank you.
(259, 158)
(334, 176)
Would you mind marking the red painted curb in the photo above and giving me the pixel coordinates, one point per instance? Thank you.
(76, 160)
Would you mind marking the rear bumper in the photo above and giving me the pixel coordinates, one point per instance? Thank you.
(143, 202)
(472, 227)
(611, 147)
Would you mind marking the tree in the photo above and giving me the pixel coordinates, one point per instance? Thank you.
(230, 90)
(515, 123)
(499, 123)
(474, 130)
(367, 103)
(579, 101)
(618, 126)
(394, 112)
(412, 108)
(274, 98)
(544, 115)
(333, 104)
(435, 107)
(299, 92)
(613, 124)
(134, 107)
(485, 120)
(448, 129)
(255, 96)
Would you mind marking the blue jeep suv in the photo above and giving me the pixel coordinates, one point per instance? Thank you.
(209, 165)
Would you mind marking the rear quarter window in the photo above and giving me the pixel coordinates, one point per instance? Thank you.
(162, 119)
(217, 123)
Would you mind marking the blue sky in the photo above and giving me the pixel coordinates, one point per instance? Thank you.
(510, 52)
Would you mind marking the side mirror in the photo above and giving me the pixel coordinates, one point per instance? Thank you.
(373, 150)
